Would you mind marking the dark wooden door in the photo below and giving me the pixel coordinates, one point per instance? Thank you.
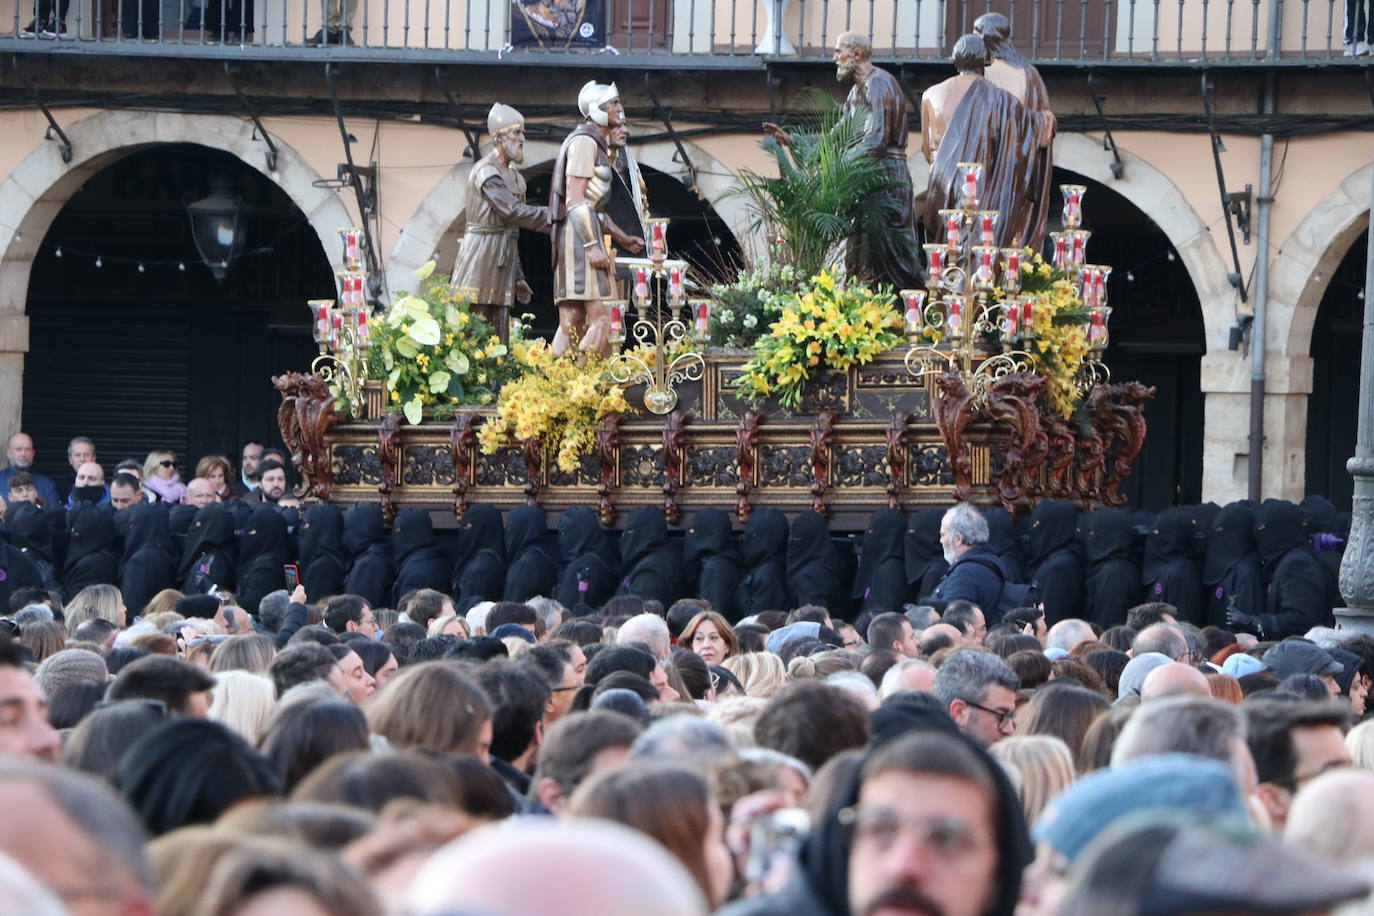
(1331, 417)
(639, 25)
(1041, 29)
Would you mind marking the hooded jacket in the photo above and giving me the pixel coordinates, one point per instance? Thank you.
(711, 560)
(589, 574)
(881, 582)
(819, 885)
(147, 565)
(1053, 560)
(420, 563)
(91, 557)
(370, 573)
(479, 572)
(531, 555)
(977, 576)
(264, 548)
(1170, 570)
(650, 561)
(925, 557)
(323, 560)
(815, 574)
(1113, 552)
(1295, 599)
(1231, 567)
(764, 541)
(206, 559)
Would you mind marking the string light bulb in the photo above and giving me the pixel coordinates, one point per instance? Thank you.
(140, 268)
(58, 253)
(1172, 257)
(99, 262)
(1130, 276)
(181, 266)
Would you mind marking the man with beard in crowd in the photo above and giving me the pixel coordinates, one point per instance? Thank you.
(19, 453)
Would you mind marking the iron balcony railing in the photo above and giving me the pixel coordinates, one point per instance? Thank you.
(696, 33)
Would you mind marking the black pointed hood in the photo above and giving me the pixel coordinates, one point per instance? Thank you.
(884, 540)
(1231, 540)
(143, 525)
(28, 529)
(1278, 529)
(322, 534)
(1053, 526)
(264, 538)
(527, 528)
(212, 529)
(646, 530)
(92, 531)
(809, 544)
(1320, 516)
(479, 529)
(711, 534)
(765, 536)
(364, 526)
(1170, 540)
(1108, 534)
(412, 532)
(580, 533)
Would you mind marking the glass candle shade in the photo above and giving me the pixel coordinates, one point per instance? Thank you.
(1073, 204)
(914, 301)
(970, 180)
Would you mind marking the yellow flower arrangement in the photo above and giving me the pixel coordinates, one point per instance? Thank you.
(558, 401)
(1061, 331)
(831, 323)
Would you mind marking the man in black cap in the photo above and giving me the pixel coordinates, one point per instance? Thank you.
(928, 824)
(1298, 656)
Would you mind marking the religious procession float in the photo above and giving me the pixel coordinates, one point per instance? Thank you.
(844, 368)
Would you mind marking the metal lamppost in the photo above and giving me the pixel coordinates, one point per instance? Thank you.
(1357, 568)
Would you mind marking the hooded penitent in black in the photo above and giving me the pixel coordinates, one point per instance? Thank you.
(91, 557)
(1113, 551)
(650, 562)
(712, 561)
(925, 558)
(207, 561)
(531, 554)
(1327, 531)
(764, 542)
(18, 570)
(370, 573)
(1231, 569)
(1002, 540)
(148, 563)
(589, 576)
(1053, 561)
(814, 570)
(1295, 600)
(819, 884)
(264, 548)
(881, 582)
(479, 572)
(323, 560)
(1170, 570)
(29, 531)
(420, 563)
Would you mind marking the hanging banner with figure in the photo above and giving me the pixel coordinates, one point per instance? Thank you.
(557, 24)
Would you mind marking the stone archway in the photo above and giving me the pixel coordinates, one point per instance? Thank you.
(433, 225)
(41, 184)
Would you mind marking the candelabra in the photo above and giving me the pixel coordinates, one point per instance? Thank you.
(959, 324)
(343, 330)
(658, 294)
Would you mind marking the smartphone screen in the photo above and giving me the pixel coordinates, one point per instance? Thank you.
(293, 576)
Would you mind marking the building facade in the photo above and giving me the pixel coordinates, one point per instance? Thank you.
(1162, 108)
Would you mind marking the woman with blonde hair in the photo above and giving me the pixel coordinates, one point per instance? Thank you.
(1359, 741)
(161, 482)
(217, 470)
(246, 652)
(1044, 767)
(243, 701)
(450, 625)
(709, 635)
(103, 602)
(761, 673)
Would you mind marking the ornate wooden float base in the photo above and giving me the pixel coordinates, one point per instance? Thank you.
(869, 438)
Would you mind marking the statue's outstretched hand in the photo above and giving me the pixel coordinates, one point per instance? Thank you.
(523, 293)
(777, 133)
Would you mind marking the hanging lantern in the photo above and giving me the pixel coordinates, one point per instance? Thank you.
(215, 227)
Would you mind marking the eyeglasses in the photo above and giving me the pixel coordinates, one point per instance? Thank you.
(948, 837)
(1002, 717)
(166, 462)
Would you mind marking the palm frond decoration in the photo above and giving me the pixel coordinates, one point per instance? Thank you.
(828, 188)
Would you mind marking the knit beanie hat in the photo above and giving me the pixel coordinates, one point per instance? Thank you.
(69, 666)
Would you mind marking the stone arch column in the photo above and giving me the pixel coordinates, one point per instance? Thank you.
(41, 184)
(437, 223)
(1298, 278)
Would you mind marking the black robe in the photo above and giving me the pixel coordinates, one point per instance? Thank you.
(323, 560)
(148, 564)
(1002, 540)
(1295, 598)
(19, 572)
(764, 584)
(28, 528)
(924, 557)
(479, 572)
(1113, 552)
(589, 574)
(814, 569)
(1170, 570)
(370, 573)
(1321, 518)
(881, 582)
(91, 557)
(712, 562)
(1231, 567)
(264, 548)
(420, 563)
(531, 554)
(650, 561)
(207, 562)
(1054, 562)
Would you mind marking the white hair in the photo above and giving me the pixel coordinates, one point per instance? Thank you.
(892, 679)
(967, 522)
(1068, 633)
(243, 701)
(649, 629)
(477, 616)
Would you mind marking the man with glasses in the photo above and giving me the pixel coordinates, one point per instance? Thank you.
(1293, 743)
(979, 690)
(350, 614)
